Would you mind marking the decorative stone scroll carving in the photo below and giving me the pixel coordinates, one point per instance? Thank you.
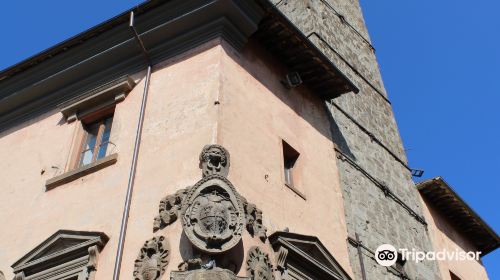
(2, 277)
(169, 209)
(92, 263)
(254, 221)
(259, 266)
(213, 215)
(281, 258)
(152, 260)
(203, 274)
(214, 160)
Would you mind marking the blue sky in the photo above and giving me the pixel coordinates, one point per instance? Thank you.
(440, 61)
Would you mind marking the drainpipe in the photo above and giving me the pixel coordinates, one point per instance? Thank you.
(133, 166)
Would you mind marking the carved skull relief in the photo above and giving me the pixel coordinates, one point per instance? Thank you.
(213, 215)
(214, 159)
(259, 266)
(152, 260)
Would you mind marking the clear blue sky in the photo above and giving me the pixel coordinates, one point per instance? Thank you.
(440, 61)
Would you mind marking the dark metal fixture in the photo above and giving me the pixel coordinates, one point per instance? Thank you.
(292, 80)
(417, 173)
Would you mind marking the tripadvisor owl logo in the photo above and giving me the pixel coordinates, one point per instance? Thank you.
(386, 255)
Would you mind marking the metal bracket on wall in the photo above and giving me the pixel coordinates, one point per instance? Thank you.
(344, 21)
(383, 187)
(358, 244)
(371, 135)
(417, 173)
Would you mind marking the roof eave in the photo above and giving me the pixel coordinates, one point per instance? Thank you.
(430, 188)
(282, 38)
(108, 51)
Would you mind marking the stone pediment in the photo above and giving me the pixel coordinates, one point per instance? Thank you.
(309, 252)
(56, 249)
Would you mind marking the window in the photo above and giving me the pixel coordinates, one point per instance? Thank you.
(92, 150)
(95, 140)
(290, 156)
(66, 255)
(92, 111)
(454, 276)
(291, 177)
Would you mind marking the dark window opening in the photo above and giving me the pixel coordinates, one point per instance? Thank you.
(454, 276)
(290, 156)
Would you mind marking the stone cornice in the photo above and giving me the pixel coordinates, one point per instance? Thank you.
(167, 28)
(71, 68)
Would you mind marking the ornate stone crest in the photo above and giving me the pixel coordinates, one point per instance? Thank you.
(259, 266)
(213, 215)
(214, 160)
(152, 260)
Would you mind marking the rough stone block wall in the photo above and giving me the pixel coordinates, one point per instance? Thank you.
(380, 199)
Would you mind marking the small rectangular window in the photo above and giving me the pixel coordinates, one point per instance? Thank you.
(290, 156)
(93, 149)
(454, 276)
(95, 139)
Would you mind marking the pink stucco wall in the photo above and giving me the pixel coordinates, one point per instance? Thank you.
(444, 236)
(253, 114)
(256, 113)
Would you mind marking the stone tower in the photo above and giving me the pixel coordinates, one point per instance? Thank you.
(303, 173)
(381, 202)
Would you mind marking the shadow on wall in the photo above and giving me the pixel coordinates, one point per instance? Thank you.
(253, 51)
(337, 136)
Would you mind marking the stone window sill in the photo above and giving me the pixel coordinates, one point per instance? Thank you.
(80, 172)
(296, 191)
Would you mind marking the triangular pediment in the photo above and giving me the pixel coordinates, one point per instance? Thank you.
(61, 243)
(314, 250)
(310, 250)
